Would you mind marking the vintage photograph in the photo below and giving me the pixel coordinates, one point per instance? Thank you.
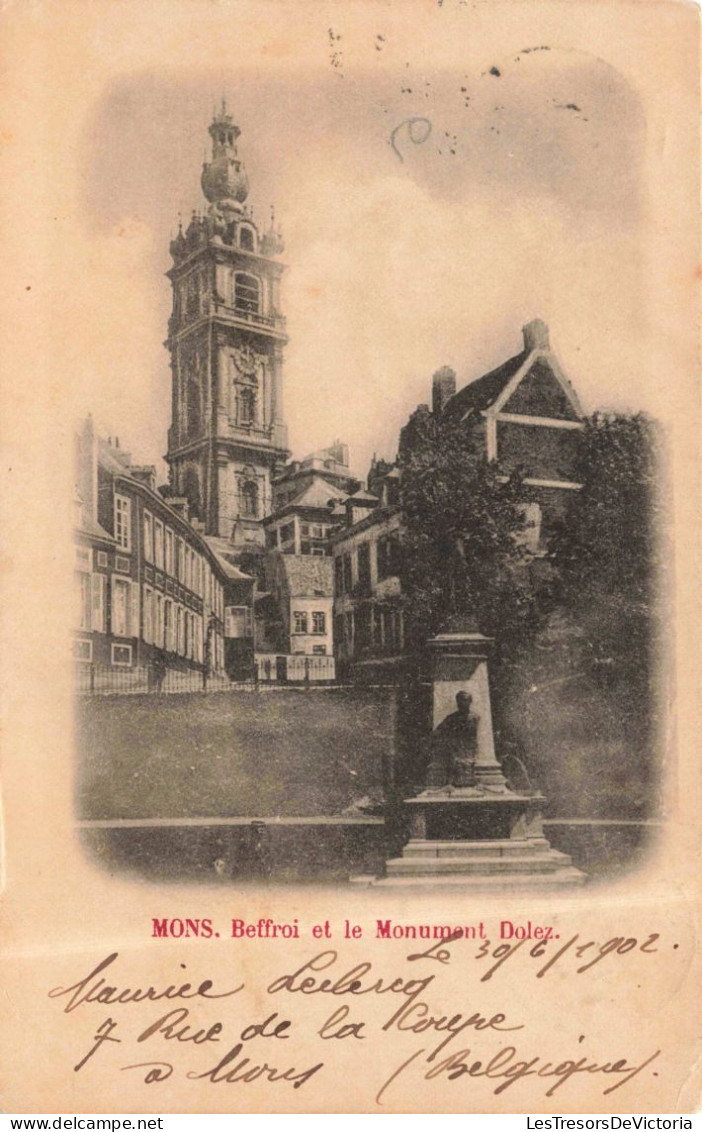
(370, 578)
(349, 511)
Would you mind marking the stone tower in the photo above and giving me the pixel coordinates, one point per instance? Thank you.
(226, 337)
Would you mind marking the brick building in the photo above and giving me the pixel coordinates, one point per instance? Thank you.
(526, 416)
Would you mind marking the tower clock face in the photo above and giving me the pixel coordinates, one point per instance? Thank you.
(245, 360)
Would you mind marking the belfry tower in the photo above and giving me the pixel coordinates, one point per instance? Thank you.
(226, 336)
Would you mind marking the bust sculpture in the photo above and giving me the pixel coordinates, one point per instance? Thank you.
(454, 747)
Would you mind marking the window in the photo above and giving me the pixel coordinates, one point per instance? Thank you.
(271, 539)
(319, 623)
(247, 406)
(98, 603)
(179, 559)
(388, 556)
(300, 622)
(83, 600)
(248, 499)
(169, 551)
(83, 650)
(122, 655)
(120, 608)
(101, 558)
(148, 537)
(348, 582)
(237, 621)
(123, 518)
(338, 576)
(148, 616)
(287, 533)
(168, 625)
(158, 544)
(122, 564)
(246, 240)
(247, 291)
(187, 577)
(158, 621)
(364, 567)
(319, 650)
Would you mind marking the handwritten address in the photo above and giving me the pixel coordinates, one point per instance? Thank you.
(157, 1031)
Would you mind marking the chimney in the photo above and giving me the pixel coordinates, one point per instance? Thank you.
(179, 503)
(145, 475)
(86, 472)
(443, 387)
(536, 335)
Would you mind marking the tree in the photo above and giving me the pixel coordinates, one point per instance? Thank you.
(608, 553)
(460, 546)
(609, 558)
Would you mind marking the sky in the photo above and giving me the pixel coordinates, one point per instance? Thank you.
(517, 192)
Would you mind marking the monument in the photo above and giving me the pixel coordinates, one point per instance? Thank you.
(467, 825)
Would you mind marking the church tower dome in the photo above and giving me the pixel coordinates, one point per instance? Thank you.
(224, 181)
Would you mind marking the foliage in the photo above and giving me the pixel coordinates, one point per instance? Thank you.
(608, 552)
(461, 522)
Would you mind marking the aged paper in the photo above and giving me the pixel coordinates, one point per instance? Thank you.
(554, 149)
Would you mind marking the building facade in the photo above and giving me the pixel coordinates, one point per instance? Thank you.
(150, 592)
(526, 417)
(227, 440)
(368, 608)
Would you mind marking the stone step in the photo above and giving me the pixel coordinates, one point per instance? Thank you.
(496, 848)
(535, 882)
(468, 866)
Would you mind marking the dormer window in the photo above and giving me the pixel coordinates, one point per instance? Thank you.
(246, 239)
(247, 293)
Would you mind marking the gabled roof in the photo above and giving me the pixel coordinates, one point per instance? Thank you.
(222, 551)
(114, 460)
(362, 496)
(478, 395)
(316, 495)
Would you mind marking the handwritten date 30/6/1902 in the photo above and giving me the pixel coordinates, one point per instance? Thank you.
(238, 1050)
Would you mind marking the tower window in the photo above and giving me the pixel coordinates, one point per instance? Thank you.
(248, 499)
(247, 406)
(246, 240)
(247, 293)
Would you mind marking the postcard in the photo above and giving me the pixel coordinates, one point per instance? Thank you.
(350, 452)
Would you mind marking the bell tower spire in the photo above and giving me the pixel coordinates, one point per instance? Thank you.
(226, 339)
(224, 181)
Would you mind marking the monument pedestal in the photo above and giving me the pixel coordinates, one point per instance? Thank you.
(484, 835)
(470, 838)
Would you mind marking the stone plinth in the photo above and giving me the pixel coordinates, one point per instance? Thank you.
(479, 840)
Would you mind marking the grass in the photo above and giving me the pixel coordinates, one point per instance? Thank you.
(286, 753)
